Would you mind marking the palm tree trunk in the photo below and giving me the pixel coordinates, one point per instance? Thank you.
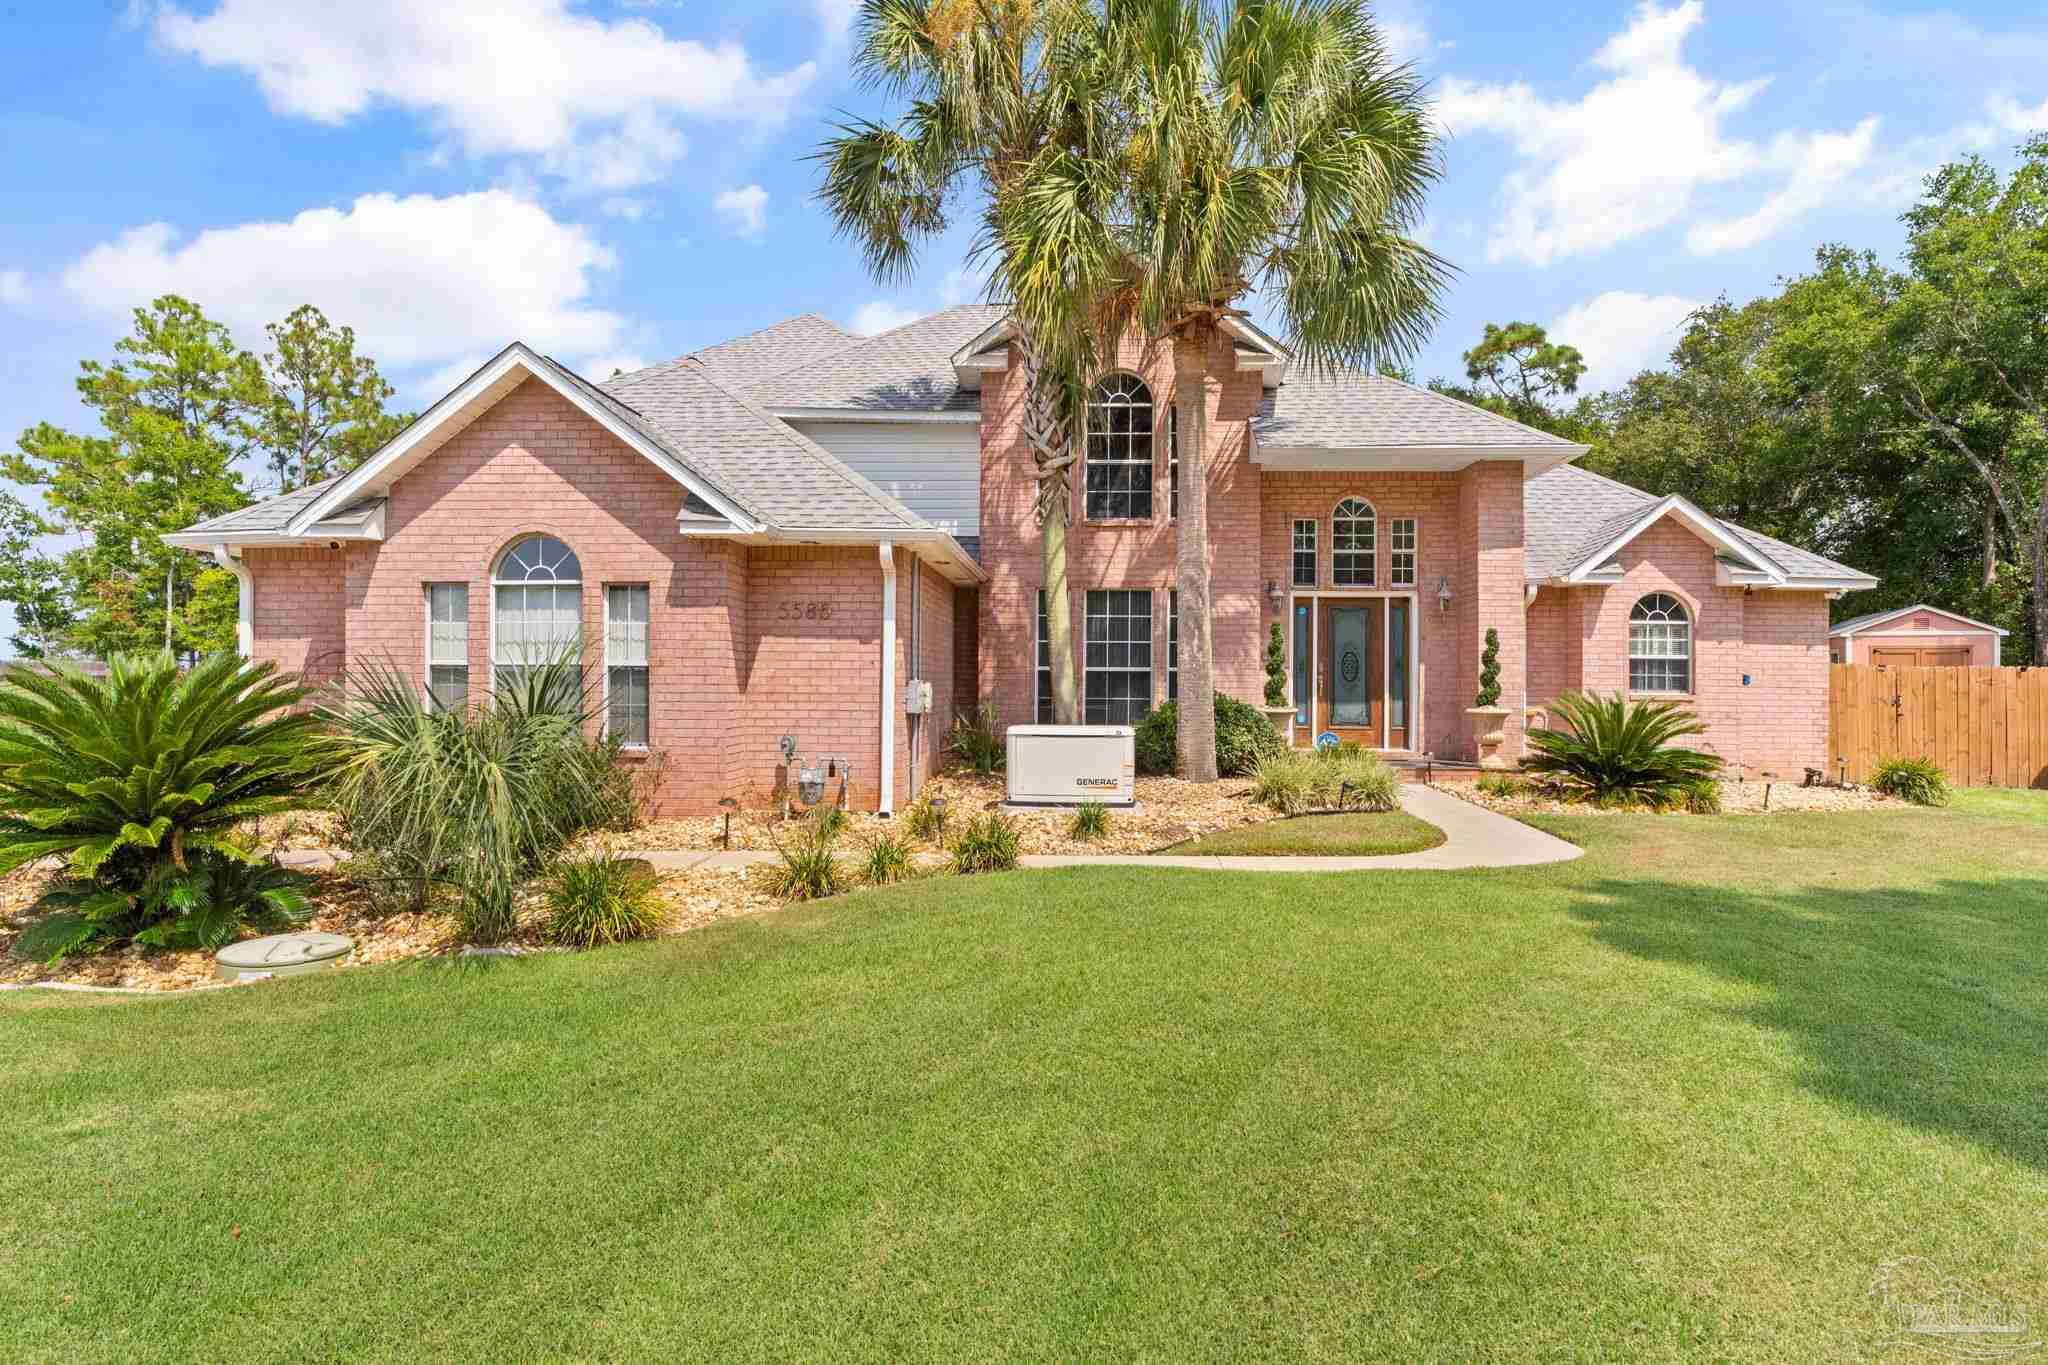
(1197, 728)
(1049, 426)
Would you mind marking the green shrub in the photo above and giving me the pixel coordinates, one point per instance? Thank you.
(1090, 822)
(830, 819)
(1276, 667)
(1703, 796)
(1489, 670)
(887, 860)
(977, 740)
(137, 781)
(601, 899)
(805, 868)
(920, 817)
(1619, 752)
(1917, 780)
(1243, 737)
(1285, 782)
(1345, 778)
(1500, 784)
(479, 799)
(989, 843)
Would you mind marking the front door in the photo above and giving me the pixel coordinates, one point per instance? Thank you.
(1349, 682)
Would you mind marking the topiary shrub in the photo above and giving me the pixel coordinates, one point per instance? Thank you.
(1276, 667)
(137, 781)
(1620, 753)
(1489, 670)
(601, 899)
(1243, 737)
(1917, 780)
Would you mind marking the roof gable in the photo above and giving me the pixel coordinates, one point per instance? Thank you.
(906, 370)
(1871, 620)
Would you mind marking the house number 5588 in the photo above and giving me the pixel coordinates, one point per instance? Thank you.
(804, 611)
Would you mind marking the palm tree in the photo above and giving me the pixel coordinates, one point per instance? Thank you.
(989, 85)
(1237, 148)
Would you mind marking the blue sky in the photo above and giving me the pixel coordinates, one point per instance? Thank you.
(618, 183)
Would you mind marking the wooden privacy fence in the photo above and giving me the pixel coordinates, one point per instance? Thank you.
(1985, 727)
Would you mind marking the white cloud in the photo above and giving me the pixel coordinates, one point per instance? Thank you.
(961, 285)
(1621, 333)
(423, 280)
(880, 316)
(2013, 117)
(744, 210)
(625, 206)
(13, 286)
(592, 100)
(1630, 155)
(1816, 167)
(836, 17)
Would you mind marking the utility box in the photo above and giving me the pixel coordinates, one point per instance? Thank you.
(1065, 765)
(917, 697)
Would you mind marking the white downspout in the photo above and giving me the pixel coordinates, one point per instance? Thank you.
(245, 604)
(888, 805)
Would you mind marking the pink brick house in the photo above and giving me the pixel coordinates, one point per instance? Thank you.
(780, 534)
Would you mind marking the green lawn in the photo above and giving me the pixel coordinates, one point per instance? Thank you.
(1359, 832)
(1673, 1101)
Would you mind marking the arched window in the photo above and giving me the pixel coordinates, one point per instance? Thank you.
(1659, 645)
(1353, 542)
(1118, 466)
(536, 607)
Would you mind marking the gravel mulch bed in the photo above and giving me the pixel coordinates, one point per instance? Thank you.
(1737, 798)
(1169, 811)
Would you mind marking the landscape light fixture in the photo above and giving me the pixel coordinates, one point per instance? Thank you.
(729, 806)
(939, 810)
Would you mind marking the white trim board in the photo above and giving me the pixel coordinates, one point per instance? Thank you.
(1849, 630)
(1695, 520)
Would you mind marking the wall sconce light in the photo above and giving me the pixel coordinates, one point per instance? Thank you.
(1273, 594)
(1443, 593)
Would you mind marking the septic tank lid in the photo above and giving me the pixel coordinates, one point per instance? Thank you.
(270, 953)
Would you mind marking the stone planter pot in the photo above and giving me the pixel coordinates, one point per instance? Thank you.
(1489, 733)
(1283, 721)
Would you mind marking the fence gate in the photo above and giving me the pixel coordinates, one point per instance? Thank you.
(1985, 727)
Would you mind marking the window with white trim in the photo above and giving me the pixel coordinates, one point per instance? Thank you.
(1118, 466)
(1305, 552)
(448, 646)
(625, 663)
(1173, 644)
(536, 608)
(1173, 463)
(1401, 544)
(1042, 711)
(1353, 543)
(1117, 675)
(1659, 645)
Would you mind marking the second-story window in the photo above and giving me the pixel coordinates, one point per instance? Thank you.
(1353, 543)
(1118, 467)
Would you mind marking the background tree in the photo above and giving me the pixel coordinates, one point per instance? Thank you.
(323, 412)
(1227, 150)
(31, 581)
(1517, 371)
(989, 88)
(174, 404)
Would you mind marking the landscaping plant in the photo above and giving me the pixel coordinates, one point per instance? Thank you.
(977, 740)
(1090, 822)
(1917, 780)
(477, 799)
(1489, 671)
(806, 868)
(1276, 667)
(137, 781)
(988, 843)
(1500, 784)
(601, 899)
(887, 860)
(1243, 737)
(1348, 778)
(1703, 796)
(920, 817)
(1620, 752)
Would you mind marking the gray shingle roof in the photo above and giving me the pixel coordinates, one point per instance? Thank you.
(272, 514)
(742, 364)
(1569, 513)
(1351, 409)
(768, 467)
(908, 369)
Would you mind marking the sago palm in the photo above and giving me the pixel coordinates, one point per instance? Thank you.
(1620, 753)
(1259, 147)
(990, 86)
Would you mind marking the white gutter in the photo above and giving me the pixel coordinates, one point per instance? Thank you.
(888, 805)
(245, 604)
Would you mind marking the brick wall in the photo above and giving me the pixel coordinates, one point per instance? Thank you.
(1491, 590)
(300, 617)
(1120, 554)
(1432, 500)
